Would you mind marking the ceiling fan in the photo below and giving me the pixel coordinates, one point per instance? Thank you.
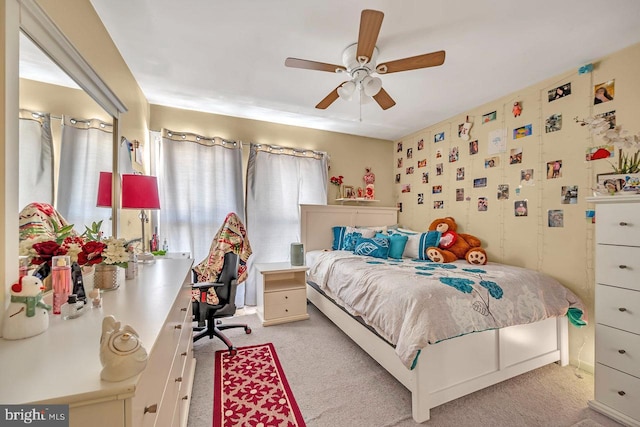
(359, 61)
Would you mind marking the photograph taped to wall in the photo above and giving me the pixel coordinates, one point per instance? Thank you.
(459, 174)
(486, 118)
(425, 177)
(409, 170)
(520, 208)
(420, 198)
(497, 141)
(491, 162)
(555, 218)
(553, 123)
(439, 153)
(438, 137)
(459, 194)
(569, 195)
(439, 168)
(436, 189)
(409, 153)
(399, 149)
(526, 177)
(503, 191)
(522, 131)
(397, 178)
(473, 147)
(399, 162)
(554, 169)
(406, 188)
(609, 116)
(483, 204)
(479, 182)
(422, 163)
(600, 152)
(603, 92)
(515, 156)
(421, 144)
(453, 155)
(559, 92)
(438, 204)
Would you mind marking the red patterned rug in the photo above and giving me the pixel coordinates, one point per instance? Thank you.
(250, 389)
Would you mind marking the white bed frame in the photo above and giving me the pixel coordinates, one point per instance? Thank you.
(452, 368)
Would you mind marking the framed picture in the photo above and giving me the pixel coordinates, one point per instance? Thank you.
(348, 192)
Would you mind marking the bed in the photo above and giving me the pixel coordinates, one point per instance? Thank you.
(435, 369)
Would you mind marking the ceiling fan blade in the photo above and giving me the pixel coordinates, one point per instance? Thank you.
(328, 100)
(370, 23)
(312, 65)
(432, 59)
(384, 100)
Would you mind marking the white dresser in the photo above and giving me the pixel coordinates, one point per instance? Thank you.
(62, 365)
(617, 308)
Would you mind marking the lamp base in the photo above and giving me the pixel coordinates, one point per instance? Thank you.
(146, 258)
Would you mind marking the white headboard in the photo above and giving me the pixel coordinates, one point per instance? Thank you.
(316, 221)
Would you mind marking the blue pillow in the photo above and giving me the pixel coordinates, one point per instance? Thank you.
(377, 247)
(338, 237)
(397, 243)
(349, 241)
(417, 243)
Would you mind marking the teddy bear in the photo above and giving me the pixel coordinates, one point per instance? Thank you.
(454, 245)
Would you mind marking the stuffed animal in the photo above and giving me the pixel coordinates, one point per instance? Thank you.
(27, 315)
(454, 245)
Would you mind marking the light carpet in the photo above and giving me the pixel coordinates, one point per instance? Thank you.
(250, 389)
(337, 384)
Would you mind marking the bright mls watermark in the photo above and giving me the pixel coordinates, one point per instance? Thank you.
(34, 415)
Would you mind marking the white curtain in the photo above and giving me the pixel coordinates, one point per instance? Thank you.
(85, 151)
(199, 183)
(278, 181)
(35, 183)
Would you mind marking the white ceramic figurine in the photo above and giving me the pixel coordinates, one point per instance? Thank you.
(27, 315)
(121, 352)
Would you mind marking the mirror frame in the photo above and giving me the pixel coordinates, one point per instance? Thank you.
(38, 27)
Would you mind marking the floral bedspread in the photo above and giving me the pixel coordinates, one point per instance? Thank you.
(413, 303)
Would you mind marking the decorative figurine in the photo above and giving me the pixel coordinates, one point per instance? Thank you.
(369, 180)
(517, 109)
(27, 315)
(121, 352)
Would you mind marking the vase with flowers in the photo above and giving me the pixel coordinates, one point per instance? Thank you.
(107, 256)
(625, 178)
(337, 181)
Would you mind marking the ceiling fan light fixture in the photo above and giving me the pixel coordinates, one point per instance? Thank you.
(346, 90)
(371, 85)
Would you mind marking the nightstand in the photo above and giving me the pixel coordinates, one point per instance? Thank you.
(282, 293)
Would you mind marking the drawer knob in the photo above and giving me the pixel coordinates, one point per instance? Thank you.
(622, 309)
(178, 380)
(622, 266)
(151, 409)
(286, 309)
(185, 397)
(177, 327)
(286, 297)
(622, 351)
(183, 309)
(621, 393)
(184, 353)
(622, 224)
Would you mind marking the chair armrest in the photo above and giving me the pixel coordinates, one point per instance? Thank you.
(206, 285)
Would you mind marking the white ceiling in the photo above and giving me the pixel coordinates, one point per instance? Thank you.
(227, 57)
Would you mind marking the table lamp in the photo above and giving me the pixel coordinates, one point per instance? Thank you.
(138, 192)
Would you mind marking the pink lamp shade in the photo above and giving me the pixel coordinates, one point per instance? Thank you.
(140, 192)
(104, 190)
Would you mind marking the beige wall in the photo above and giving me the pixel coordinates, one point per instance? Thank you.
(565, 253)
(349, 154)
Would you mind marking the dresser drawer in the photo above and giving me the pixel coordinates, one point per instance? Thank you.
(618, 224)
(618, 307)
(618, 390)
(618, 349)
(285, 303)
(618, 266)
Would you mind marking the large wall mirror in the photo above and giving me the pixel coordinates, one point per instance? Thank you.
(68, 126)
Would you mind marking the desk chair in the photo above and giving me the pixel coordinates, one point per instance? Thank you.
(206, 314)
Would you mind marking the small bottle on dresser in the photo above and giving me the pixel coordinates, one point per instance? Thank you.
(72, 308)
(60, 281)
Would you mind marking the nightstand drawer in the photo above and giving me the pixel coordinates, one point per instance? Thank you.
(618, 391)
(618, 349)
(618, 266)
(618, 307)
(285, 303)
(618, 224)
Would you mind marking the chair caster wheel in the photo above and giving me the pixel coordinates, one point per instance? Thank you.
(247, 330)
(233, 351)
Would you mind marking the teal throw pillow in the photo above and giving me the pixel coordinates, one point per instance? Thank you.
(377, 247)
(397, 243)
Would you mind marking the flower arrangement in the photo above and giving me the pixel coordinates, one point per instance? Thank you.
(337, 180)
(86, 249)
(621, 139)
